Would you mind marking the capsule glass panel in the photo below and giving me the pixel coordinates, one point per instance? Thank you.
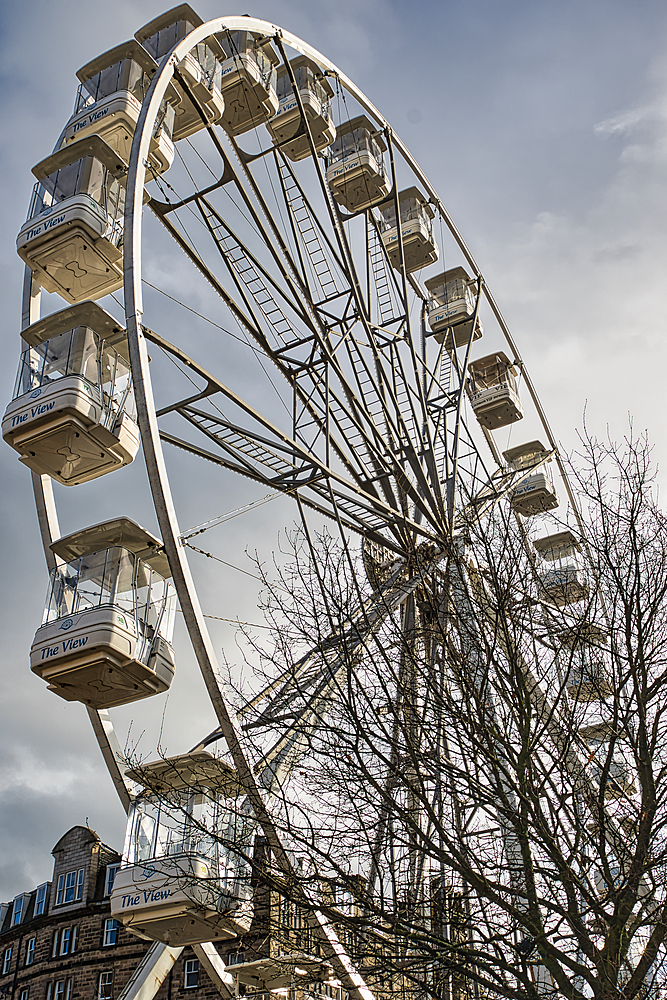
(305, 80)
(351, 144)
(163, 41)
(113, 576)
(189, 822)
(242, 43)
(81, 352)
(494, 374)
(87, 176)
(124, 75)
(411, 210)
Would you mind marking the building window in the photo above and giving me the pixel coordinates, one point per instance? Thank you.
(25, 993)
(17, 911)
(70, 887)
(40, 901)
(104, 986)
(60, 990)
(112, 870)
(6, 961)
(235, 957)
(67, 940)
(191, 973)
(30, 951)
(56, 942)
(110, 932)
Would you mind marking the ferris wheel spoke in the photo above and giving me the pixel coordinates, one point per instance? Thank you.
(390, 307)
(311, 240)
(362, 625)
(285, 465)
(245, 266)
(360, 484)
(310, 688)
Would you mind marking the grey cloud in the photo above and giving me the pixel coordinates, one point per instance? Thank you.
(569, 236)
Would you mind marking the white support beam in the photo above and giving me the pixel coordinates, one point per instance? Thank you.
(215, 968)
(112, 754)
(151, 972)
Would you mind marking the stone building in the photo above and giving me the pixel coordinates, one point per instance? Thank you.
(59, 941)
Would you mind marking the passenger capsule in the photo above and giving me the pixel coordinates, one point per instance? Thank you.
(561, 579)
(535, 492)
(419, 246)
(492, 391)
(286, 129)
(180, 882)
(109, 617)
(451, 307)
(73, 237)
(583, 663)
(611, 759)
(248, 81)
(108, 103)
(73, 414)
(356, 173)
(197, 74)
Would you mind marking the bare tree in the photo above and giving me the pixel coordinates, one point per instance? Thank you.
(471, 770)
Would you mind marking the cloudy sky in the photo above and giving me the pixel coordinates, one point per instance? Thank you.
(543, 127)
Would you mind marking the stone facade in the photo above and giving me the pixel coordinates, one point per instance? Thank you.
(58, 942)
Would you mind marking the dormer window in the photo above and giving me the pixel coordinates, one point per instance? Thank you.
(18, 910)
(112, 870)
(70, 887)
(40, 899)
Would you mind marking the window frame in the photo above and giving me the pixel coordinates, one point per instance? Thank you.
(110, 875)
(70, 887)
(191, 967)
(40, 903)
(7, 960)
(109, 982)
(107, 931)
(17, 910)
(30, 951)
(54, 993)
(67, 941)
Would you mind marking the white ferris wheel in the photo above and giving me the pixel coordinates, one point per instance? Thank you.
(383, 384)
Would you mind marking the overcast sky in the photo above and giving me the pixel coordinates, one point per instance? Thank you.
(543, 127)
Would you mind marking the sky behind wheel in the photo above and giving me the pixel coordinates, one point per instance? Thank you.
(542, 127)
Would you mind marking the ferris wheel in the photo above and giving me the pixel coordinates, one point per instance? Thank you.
(385, 388)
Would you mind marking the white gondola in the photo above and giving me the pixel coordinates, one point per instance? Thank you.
(200, 69)
(109, 100)
(619, 778)
(561, 579)
(419, 246)
(109, 617)
(535, 493)
(178, 882)
(492, 390)
(72, 239)
(315, 93)
(73, 416)
(451, 307)
(278, 972)
(248, 81)
(588, 677)
(583, 662)
(356, 173)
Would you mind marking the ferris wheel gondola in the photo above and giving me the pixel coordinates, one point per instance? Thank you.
(379, 441)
